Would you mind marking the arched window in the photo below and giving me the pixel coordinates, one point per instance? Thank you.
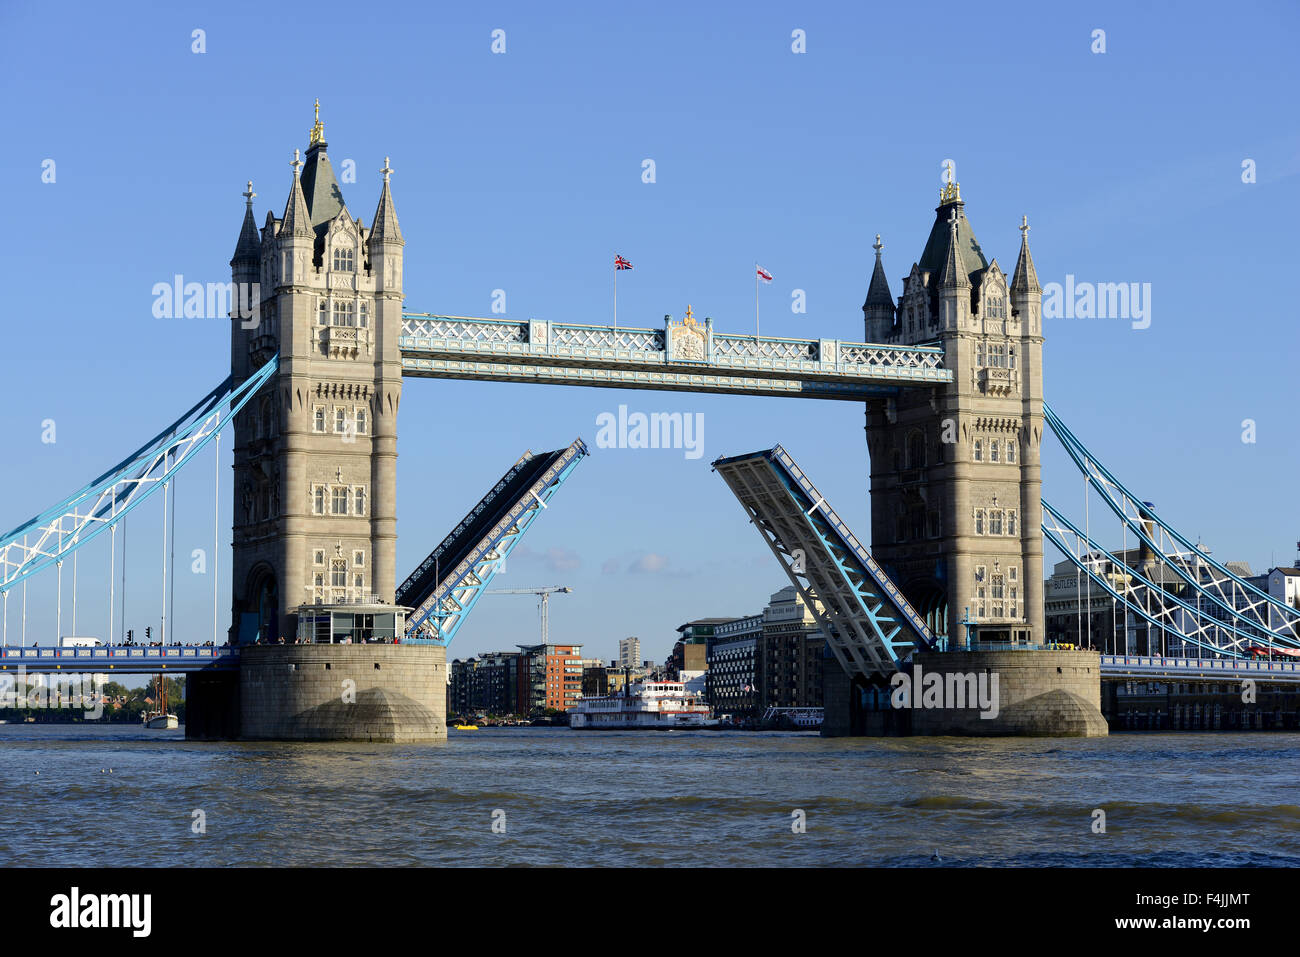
(979, 450)
(1011, 451)
(993, 450)
(979, 521)
(343, 260)
(916, 450)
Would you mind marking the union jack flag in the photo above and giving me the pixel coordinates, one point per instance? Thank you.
(764, 275)
(621, 263)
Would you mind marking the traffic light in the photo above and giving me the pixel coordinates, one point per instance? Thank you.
(148, 633)
(130, 634)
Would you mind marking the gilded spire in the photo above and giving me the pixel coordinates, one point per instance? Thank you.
(318, 128)
(950, 192)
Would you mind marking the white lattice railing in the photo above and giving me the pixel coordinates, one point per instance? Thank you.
(885, 357)
(595, 337)
(747, 347)
(464, 329)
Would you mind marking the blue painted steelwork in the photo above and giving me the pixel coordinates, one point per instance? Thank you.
(682, 356)
(1209, 669)
(100, 505)
(1054, 534)
(1110, 487)
(120, 659)
(870, 625)
(443, 595)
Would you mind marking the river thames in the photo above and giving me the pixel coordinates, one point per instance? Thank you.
(77, 795)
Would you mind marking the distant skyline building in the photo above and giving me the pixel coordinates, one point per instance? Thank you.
(629, 652)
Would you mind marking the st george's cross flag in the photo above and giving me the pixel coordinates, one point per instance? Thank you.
(764, 275)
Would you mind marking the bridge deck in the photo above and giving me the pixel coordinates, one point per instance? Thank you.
(686, 356)
(443, 590)
(869, 624)
(1148, 667)
(121, 659)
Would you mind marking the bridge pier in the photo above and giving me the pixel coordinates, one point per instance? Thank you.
(343, 692)
(1037, 694)
(212, 706)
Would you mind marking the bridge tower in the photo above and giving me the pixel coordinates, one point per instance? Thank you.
(955, 473)
(315, 510)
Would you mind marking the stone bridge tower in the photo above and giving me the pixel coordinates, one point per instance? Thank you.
(955, 474)
(315, 512)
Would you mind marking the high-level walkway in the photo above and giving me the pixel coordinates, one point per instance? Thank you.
(686, 356)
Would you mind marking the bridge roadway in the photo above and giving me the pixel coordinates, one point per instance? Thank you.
(122, 659)
(184, 659)
(686, 356)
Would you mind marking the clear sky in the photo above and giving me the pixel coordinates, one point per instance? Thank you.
(522, 171)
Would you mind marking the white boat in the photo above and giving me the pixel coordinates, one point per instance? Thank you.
(649, 705)
(160, 719)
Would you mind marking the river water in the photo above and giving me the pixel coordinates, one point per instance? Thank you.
(646, 799)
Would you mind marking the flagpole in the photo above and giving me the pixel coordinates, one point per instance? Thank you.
(756, 301)
(616, 295)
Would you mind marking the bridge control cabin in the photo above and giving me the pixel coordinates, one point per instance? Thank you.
(351, 624)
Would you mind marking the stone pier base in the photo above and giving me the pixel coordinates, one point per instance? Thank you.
(1040, 693)
(365, 692)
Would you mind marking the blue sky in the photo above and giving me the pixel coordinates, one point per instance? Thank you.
(522, 171)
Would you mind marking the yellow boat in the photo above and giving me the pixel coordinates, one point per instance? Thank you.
(465, 727)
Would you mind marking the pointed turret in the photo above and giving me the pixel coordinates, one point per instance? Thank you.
(385, 228)
(297, 220)
(1025, 279)
(249, 248)
(953, 275)
(878, 310)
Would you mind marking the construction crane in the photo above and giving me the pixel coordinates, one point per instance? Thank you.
(545, 591)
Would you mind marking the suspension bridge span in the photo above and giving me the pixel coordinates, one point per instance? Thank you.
(322, 639)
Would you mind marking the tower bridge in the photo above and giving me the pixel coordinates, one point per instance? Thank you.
(950, 373)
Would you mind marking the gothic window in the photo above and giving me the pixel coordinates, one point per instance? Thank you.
(361, 500)
(318, 557)
(343, 260)
(364, 319)
(339, 573)
(1011, 528)
(999, 594)
(322, 315)
(357, 582)
(979, 521)
(339, 501)
(979, 573)
(916, 450)
(993, 450)
(995, 522)
(319, 505)
(340, 420)
(997, 307)
(979, 450)
(980, 603)
(358, 559)
(320, 418)
(979, 353)
(997, 356)
(361, 421)
(1011, 357)
(345, 313)
(1011, 451)
(1014, 610)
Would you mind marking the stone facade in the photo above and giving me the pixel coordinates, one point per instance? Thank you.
(955, 475)
(315, 510)
(369, 692)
